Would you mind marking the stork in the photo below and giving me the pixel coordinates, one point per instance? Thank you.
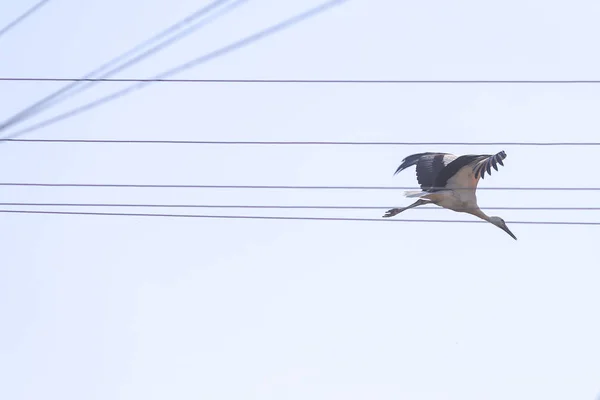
(450, 182)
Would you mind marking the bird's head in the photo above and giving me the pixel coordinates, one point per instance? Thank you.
(499, 222)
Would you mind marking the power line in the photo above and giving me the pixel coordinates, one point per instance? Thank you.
(22, 17)
(299, 143)
(276, 207)
(264, 217)
(214, 54)
(87, 81)
(308, 81)
(175, 186)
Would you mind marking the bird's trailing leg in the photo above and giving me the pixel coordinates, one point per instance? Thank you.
(394, 211)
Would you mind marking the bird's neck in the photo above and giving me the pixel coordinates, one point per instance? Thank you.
(478, 213)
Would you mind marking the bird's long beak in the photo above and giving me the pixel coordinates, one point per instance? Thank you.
(505, 229)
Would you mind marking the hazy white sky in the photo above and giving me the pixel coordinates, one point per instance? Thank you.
(133, 308)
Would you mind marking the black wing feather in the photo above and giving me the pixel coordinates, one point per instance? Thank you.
(451, 169)
(412, 160)
(481, 163)
(433, 172)
(486, 164)
(428, 166)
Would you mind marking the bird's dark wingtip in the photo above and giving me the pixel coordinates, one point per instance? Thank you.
(409, 161)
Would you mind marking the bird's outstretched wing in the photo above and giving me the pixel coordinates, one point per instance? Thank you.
(465, 171)
(487, 163)
(429, 165)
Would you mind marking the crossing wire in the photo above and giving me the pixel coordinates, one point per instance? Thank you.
(283, 187)
(118, 63)
(182, 67)
(296, 143)
(22, 17)
(263, 217)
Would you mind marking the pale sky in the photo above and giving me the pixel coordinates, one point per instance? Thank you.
(158, 308)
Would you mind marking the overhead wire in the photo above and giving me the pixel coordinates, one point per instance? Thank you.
(276, 207)
(295, 143)
(22, 17)
(182, 67)
(282, 187)
(309, 81)
(113, 66)
(289, 218)
(219, 52)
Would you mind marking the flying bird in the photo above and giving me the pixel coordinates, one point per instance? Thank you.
(450, 182)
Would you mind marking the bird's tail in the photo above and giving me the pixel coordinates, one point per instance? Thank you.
(415, 193)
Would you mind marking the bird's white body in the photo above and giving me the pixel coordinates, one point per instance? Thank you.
(451, 182)
(458, 195)
(459, 201)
